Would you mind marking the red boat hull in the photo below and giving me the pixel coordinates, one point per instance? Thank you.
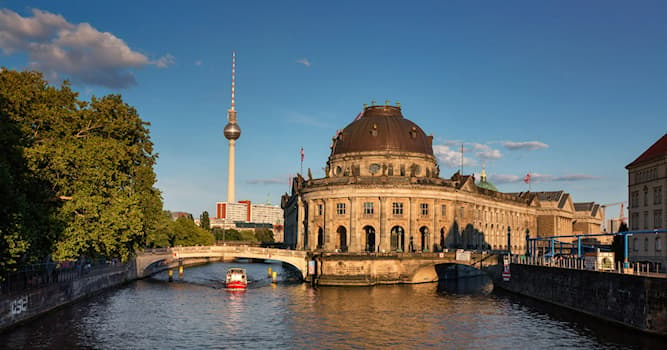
(236, 285)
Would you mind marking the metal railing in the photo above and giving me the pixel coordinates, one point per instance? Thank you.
(575, 263)
(37, 276)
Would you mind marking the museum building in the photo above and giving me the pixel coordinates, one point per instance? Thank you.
(382, 192)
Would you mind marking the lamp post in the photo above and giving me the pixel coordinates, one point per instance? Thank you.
(528, 242)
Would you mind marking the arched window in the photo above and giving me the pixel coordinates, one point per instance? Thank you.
(397, 239)
(342, 238)
(370, 238)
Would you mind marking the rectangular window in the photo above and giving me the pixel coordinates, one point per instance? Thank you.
(424, 209)
(634, 199)
(368, 208)
(635, 221)
(320, 209)
(658, 244)
(461, 212)
(635, 244)
(657, 219)
(340, 208)
(646, 198)
(443, 209)
(645, 219)
(657, 195)
(646, 244)
(397, 208)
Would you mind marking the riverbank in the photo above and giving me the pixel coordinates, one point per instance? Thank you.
(638, 302)
(20, 306)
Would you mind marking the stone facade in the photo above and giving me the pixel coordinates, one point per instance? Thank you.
(647, 187)
(382, 193)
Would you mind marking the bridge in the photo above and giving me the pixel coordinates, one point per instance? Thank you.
(151, 261)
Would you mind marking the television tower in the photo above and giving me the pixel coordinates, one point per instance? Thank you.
(232, 133)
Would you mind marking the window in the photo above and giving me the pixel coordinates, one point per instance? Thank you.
(424, 209)
(634, 221)
(634, 199)
(658, 244)
(443, 209)
(646, 244)
(635, 244)
(657, 219)
(368, 208)
(397, 208)
(320, 209)
(657, 195)
(645, 219)
(645, 196)
(390, 170)
(340, 208)
(461, 211)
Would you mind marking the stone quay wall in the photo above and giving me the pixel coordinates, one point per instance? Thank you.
(636, 301)
(21, 306)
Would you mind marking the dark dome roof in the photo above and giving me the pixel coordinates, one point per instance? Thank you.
(382, 128)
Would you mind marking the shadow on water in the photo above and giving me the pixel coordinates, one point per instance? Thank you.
(477, 285)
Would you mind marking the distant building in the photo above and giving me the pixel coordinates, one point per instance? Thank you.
(647, 183)
(382, 193)
(179, 214)
(244, 215)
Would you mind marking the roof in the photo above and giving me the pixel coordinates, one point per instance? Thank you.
(659, 148)
(382, 128)
(550, 196)
(585, 206)
(485, 184)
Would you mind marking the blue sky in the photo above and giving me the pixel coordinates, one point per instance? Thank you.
(571, 91)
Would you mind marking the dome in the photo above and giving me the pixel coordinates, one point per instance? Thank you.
(485, 184)
(382, 128)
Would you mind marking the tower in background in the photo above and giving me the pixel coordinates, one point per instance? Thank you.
(232, 133)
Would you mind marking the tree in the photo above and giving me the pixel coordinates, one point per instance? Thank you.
(86, 171)
(204, 221)
(186, 233)
(264, 235)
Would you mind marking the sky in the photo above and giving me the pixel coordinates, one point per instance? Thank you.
(568, 91)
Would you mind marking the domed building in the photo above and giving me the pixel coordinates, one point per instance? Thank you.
(382, 193)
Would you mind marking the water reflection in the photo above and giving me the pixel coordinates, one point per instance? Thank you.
(196, 313)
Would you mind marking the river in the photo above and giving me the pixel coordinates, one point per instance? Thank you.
(197, 313)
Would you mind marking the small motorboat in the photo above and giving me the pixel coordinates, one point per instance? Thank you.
(237, 279)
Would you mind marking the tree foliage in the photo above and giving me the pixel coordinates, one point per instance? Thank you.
(181, 232)
(205, 221)
(77, 177)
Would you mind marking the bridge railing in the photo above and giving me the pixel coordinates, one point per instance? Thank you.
(575, 263)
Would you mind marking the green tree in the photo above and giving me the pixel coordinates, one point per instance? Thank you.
(87, 171)
(186, 233)
(204, 221)
(264, 235)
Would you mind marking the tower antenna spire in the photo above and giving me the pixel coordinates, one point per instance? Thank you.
(233, 77)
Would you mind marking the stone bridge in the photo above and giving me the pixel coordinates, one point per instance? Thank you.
(333, 268)
(154, 260)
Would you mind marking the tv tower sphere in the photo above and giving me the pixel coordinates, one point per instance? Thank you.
(232, 131)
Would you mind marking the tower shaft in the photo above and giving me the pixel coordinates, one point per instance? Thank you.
(231, 171)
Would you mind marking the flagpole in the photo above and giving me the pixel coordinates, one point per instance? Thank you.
(301, 161)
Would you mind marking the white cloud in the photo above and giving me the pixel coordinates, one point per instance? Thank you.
(304, 61)
(450, 157)
(78, 51)
(164, 61)
(273, 181)
(524, 145)
(537, 177)
(491, 154)
(199, 62)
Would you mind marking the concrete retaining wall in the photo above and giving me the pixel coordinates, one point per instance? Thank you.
(636, 301)
(21, 306)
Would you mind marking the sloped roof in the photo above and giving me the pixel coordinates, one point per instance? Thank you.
(659, 148)
(585, 206)
(550, 196)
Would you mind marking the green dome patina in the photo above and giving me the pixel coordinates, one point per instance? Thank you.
(485, 184)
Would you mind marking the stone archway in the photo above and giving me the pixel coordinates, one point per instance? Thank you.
(370, 238)
(320, 238)
(424, 235)
(397, 239)
(342, 238)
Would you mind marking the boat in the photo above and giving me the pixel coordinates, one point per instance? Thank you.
(237, 279)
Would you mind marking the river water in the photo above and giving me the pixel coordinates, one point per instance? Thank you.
(197, 313)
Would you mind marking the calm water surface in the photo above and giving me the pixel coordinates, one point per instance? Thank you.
(197, 313)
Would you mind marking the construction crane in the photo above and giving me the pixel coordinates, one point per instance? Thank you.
(620, 218)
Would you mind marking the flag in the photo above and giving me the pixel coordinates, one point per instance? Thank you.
(301, 154)
(526, 179)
